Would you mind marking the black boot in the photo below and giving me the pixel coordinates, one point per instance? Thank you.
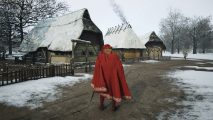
(101, 107)
(114, 106)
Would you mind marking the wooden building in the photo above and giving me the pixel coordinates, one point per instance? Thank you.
(125, 42)
(154, 45)
(50, 41)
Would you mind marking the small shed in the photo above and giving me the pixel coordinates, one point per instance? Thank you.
(124, 41)
(154, 45)
(50, 41)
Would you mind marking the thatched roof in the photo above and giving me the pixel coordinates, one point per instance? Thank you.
(152, 39)
(56, 33)
(123, 37)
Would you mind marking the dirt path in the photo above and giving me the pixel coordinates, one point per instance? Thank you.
(152, 92)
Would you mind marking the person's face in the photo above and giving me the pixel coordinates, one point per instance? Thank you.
(107, 51)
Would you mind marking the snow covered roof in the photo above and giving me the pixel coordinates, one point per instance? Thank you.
(123, 37)
(56, 33)
(145, 38)
(152, 39)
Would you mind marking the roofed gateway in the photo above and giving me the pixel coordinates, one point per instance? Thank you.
(154, 45)
(51, 38)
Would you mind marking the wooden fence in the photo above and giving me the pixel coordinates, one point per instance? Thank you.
(33, 73)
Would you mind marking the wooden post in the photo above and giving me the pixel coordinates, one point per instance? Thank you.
(37, 72)
(61, 70)
(19, 75)
(86, 59)
(52, 70)
(66, 69)
(3, 78)
(11, 77)
(25, 73)
(16, 79)
(71, 69)
(90, 67)
(7, 77)
(43, 72)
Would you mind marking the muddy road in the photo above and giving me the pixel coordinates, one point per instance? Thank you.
(152, 93)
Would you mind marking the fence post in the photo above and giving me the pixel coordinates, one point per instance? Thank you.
(90, 67)
(10, 77)
(7, 75)
(16, 79)
(3, 79)
(52, 70)
(19, 77)
(86, 69)
(66, 69)
(63, 71)
(42, 68)
(72, 69)
(25, 73)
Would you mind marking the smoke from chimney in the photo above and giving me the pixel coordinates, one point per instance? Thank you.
(118, 11)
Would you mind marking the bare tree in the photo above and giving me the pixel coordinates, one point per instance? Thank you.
(170, 28)
(200, 32)
(30, 12)
(181, 33)
(17, 15)
(7, 21)
(205, 34)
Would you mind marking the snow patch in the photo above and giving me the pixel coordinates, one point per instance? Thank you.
(200, 63)
(33, 93)
(197, 67)
(196, 83)
(150, 61)
(125, 65)
(206, 56)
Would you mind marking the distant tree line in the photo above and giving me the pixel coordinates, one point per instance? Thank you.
(181, 33)
(17, 16)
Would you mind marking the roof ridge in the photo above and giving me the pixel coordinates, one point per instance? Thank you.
(118, 28)
(83, 9)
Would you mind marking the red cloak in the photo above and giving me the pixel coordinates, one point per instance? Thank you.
(109, 79)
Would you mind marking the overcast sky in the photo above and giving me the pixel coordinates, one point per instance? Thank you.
(143, 15)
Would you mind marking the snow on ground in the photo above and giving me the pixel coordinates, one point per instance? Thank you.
(199, 86)
(126, 65)
(150, 61)
(33, 93)
(197, 67)
(206, 56)
(200, 63)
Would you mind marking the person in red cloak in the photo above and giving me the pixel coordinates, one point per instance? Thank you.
(109, 79)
